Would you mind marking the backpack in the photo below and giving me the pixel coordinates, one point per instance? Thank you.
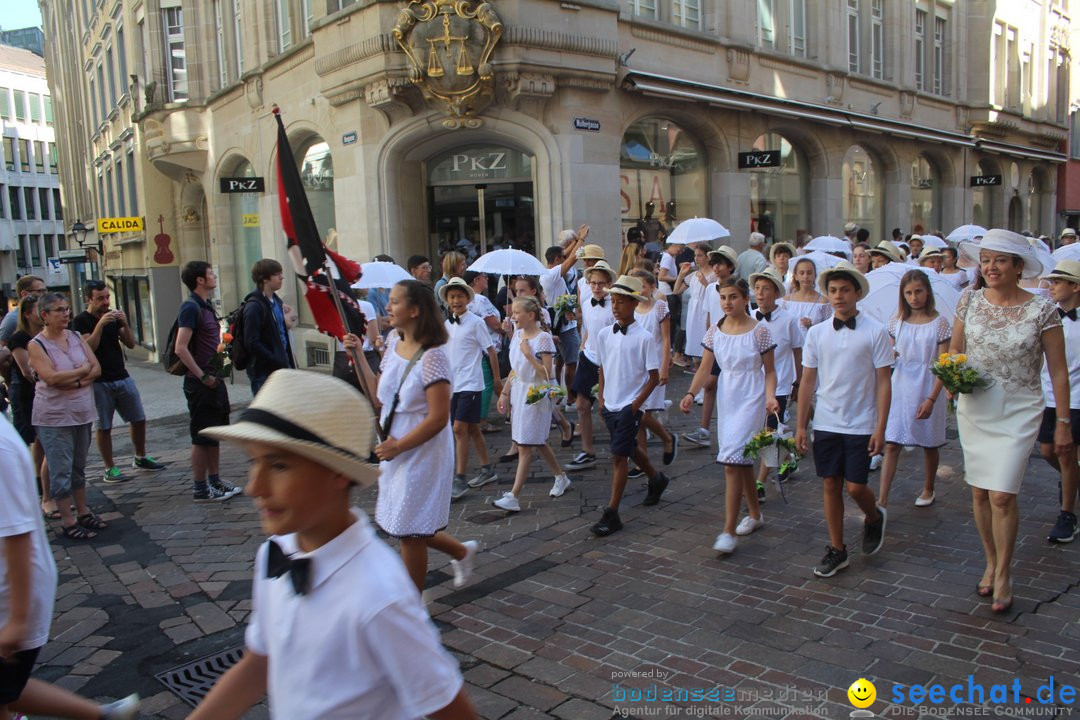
(169, 359)
(237, 348)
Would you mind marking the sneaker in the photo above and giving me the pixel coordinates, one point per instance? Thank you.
(463, 568)
(875, 462)
(834, 561)
(508, 502)
(209, 494)
(788, 471)
(485, 476)
(657, 486)
(581, 461)
(459, 488)
(147, 463)
(635, 472)
(561, 483)
(749, 525)
(760, 492)
(113, 476)
(125, 709)
(609, 523)
(669, 457)
(1064, 529)
(225, 488)
(699, 437)
(874, 534)
(725, 543)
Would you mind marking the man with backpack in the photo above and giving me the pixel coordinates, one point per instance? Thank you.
(263, 335)
(198, 334)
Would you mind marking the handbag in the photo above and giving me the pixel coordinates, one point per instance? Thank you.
(770, 456)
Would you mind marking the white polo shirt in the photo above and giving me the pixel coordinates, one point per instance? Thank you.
(483, 309)
(469, 341)
(553, 284)
(787, 334)
(594, 318)
(1072, 358)
(359, 644)
(846, 361)
(712, 304)
(626, 360)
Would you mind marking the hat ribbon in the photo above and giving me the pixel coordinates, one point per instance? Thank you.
(291, 429)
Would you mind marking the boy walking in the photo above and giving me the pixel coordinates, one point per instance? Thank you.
(337, 628)
(596, 315)
(629, 371)
(847, 361)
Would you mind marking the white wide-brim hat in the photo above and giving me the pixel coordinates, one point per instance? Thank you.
(456, 283)
(1009, 242)
(1065, 270)
(629, 286)
(313, 415)
(603, 267)
(726, 252)
(773, 276)
(845, 268)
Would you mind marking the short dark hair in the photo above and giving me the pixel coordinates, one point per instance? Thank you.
(93, 286)
(416, 261)
(897, 232)
(192, 272)
(735, 282)
(553, 253)
(846, 277)
(430, 330)
(634, 234)
(383, 258)
(862, 235)
(263, 270)
(470, 275)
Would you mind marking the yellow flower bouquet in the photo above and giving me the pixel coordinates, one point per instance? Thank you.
(956, 375)
(536, 393)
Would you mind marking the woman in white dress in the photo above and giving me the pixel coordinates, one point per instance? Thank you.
(743, 348)
(532, 353)
(957, 276)
(691, 284)
(416, 466)
(653, 316)
(1005, 332)
(804, 301)
(916, 417)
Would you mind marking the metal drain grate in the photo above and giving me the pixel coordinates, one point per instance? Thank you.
(193, 681)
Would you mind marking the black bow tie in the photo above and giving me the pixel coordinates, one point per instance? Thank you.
(617, 328)
(766, 316)
(277, 564)
(837, 323)
(454, 320)
(1071, 314)
(599, 302)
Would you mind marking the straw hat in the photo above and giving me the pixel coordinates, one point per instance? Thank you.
(1068, 232)
(1009, 242)
(850, 228)
(603, 267)
(773, 276)
(629, 286)
(313, 415)
(928, 252)
(781, 246)
(725, 252)
(591, 252)
(846, 268)
(456, 284)
(1065, 270)
(889, 250)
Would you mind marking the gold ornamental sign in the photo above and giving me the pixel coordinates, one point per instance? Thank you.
(449, 44)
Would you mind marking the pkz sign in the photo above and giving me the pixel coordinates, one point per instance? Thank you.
(759, 159)
(242, 184)
(985, 180)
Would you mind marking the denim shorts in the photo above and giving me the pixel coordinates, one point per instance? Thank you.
(570, 346)
(118, 396)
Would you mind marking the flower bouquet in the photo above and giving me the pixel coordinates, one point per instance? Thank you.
(536, 393)
(769, 438)
(221, 362)
(957, 377)
(566, 305)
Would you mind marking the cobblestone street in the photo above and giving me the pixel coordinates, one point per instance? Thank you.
(556, 617)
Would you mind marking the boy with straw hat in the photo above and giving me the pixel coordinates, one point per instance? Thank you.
(337, 628)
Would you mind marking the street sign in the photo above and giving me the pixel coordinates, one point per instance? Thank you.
(759, 159)
(985, 180)
(242, 184)
(587, 124)
(71, 257)
(119, 224)
(348, 138)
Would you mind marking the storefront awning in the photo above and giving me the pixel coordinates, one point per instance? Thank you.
(1000, 148)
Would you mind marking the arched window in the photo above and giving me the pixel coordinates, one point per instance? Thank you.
(777, 193)
(244, 223)
(863, 201)
(662, 173)
(317, 174)
(983, 210)
(925, 196)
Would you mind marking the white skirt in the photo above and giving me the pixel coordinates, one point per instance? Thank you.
(997, 432)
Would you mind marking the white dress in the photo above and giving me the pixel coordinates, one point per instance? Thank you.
(740, 389)
(650, 322)
(816, 311)
(529, 424)
(696, 308)
(414, 487)
(957, 279)
(916, 348)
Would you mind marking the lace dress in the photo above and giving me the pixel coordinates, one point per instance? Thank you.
(414, 487)
(916, 348)
(650, 321)
(998, 424)
(740, 389)
(816, 311)
(529, 424)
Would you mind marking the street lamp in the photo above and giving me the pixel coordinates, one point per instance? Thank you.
(78, 231)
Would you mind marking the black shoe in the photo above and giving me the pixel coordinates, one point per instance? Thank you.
(508, 457)
(1064, 529)
(209, 494)
(609, 523)
(657, 486)
(568, 442)
(788, 471)
(834, 561)
(874, 534)
(583, 461)
(635, 472)
(669, 457)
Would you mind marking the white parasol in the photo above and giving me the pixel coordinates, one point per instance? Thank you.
(1067, 252)
(379, 274)
(934, 241)
(822, 261)
(830, 244)
(883, 300)
(966, 233)
(697, 230)
(508, 262)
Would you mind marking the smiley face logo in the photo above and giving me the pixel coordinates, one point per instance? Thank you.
(862, 693)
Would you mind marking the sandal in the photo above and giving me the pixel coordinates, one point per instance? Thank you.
(90, 521)
(77, 532)
(50, 514)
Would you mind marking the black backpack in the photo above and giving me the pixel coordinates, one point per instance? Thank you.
(238, 351)
(169, 359)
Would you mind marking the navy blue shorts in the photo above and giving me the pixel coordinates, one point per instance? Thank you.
(842, 456)
(14, 675)
(623, 425)
(465, 406)
(770, 421)
(1049, 424)
(588, 374)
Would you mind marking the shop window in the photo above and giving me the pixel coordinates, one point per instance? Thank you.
(663, 164)
(862, 196)
(244, 224)
(778, 194)
(984, 199)
(925, 197)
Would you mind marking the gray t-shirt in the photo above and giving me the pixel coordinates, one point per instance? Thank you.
(7, 325)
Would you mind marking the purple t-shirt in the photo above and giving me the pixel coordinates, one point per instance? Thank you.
(197, 314)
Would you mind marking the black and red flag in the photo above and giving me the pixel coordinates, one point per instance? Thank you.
(319, 267)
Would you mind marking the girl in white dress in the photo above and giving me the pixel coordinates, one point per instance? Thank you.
(692, 286)
(916, 417)
(532, 353)
(653, 315)
(956, 275)
(804, 301)
(743, 347)
(416, 466)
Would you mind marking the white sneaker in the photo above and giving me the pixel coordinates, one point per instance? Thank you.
(463, 568)
(508, 502)
(749, 525)
(725, 543)
(561, 483)
(700, 437)
(125, 709)
(875, 462)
